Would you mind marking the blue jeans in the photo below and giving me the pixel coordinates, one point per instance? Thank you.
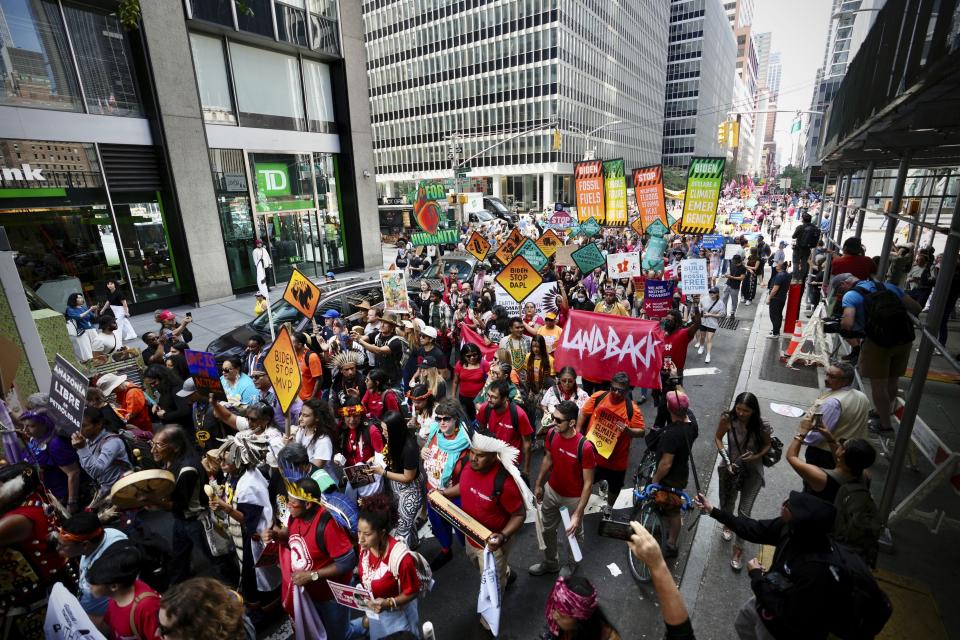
(335, 617)
(442, 530)
(406, 619)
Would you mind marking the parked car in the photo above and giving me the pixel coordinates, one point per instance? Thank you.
(481, 217)
(499, 210)
(343, 299)
(465, 264)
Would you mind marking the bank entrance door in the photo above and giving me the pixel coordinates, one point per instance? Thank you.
(295, 240)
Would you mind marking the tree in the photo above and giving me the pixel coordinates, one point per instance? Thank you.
(797, 178)
(675, 178)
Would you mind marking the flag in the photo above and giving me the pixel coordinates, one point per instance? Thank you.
(487, 352)
(795, 127)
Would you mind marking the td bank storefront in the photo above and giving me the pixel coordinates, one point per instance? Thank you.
(290, 202)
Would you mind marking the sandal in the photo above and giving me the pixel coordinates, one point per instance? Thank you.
(727, 534)
(736, 562)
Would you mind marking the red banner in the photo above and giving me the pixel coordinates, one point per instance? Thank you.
(487, 352)
(598, 345)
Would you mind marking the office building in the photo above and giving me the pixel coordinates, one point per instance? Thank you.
(483, 85)
(850, 20)
(158, 156)
(774, 72)
(700, 79)
(761, 44)
(745, 100)
(739, 13)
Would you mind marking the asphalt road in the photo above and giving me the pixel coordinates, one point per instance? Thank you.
(631, 607)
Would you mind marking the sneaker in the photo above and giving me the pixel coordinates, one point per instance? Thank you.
(746, 302)
(511, 577)
(700, 350)
(542, 568)
(773, 335)
(707, 359)
(697, 344)
(569, 569)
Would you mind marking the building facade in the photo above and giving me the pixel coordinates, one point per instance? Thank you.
(774, 72)
(161, 170)
(745, 100)
(485, 85)
(700, 79)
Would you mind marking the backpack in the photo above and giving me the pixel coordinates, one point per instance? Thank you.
(401, 402)
(485, 421)
(552, 435)
(424, 572)
(629, 402)
(886, 320)
(864, 609)
(133, 611)
(809, 237)
(331, 512)
(857, 524)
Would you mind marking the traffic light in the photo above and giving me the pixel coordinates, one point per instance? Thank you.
(722, 133)
(557, 140)
(733, 137)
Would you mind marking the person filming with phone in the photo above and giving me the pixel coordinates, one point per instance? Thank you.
(842, 411)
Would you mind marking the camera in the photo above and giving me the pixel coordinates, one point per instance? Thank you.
(610, 528)
(831, 326)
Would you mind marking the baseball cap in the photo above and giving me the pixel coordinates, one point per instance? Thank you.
(428, 362)
(188, 389)
(677, 402)
(714, 290)
(551, 315)
(329, 274)
(166, 314)
(430, 332)
(840, 278)
(331, 313)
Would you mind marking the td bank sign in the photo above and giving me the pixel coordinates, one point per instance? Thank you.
(273, 179)
(25, 173)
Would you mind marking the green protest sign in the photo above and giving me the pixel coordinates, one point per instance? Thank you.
(588, 257)
(533, 254)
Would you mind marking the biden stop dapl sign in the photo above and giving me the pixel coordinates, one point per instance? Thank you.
(519, 278)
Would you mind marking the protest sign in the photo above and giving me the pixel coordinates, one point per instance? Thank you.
(544, 298)
(519, 278)
(549, 242)
(657, 298)
(352, 597)
(599, 344)
(68, 395)
(588, 184)
(478, 246)
(509, 247)
(532, 253)
(282, 368)
(65, 618)
(648, 192)
(624, 265)
(426, 210)
(693, 275)
(615, 188)
(561, 220)
(564, 256)
(588, 257)
(395, 296)
(731, 250)
(713, 242)
(704, 180)
(589, 228)
(205, 373)
(302, 293)
(735, 217)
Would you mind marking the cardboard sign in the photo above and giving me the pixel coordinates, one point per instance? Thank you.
(564, 256)
(604, 432)
(561, 220)
(713, 242)
(509, 247)
(693, 275)
(282, 368)
(624, 265)
(545, 298)
(588, 258)
(589, 228)
(478, 247)
(549, 242)
(68, 395)
(205, 373)
(615, 188)
(532, 253)
(648, 192)
(657, 298)
(588, 184)
(352, 597)
(519, 278)
(65, 618)
(302, 294)
(395, 296)
(730, 250)
(704, 181)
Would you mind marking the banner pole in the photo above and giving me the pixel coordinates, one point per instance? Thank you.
(286, 422)
(273, 336)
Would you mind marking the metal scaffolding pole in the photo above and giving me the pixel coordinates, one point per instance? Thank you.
(921, 367)
(864, 198)
(902, 171)
(826, 180)
(843, 186)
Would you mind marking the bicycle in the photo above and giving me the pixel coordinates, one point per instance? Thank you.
(647, 512)
(644, 474)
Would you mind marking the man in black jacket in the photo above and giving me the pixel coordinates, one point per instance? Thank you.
(792, 597)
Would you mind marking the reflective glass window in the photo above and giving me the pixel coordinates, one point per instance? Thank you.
(268, 88)
(212, 78)
(319, 96)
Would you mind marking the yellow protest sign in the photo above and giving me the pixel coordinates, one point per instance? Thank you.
(478, 246)
(604, 432)
(519, 278)
(302, 293)
(549, 242)
(509, 247)
(282, 368)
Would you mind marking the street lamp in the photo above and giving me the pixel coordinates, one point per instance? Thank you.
(590, 151)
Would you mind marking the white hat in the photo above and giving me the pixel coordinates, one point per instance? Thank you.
(430, 332)
(108, 383)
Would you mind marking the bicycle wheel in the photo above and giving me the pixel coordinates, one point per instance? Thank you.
(644, 474)
(650, 519)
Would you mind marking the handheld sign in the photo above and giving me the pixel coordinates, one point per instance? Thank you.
(549, 242)
(302, 294)
(704, 180)
(282, 368)
(68, 395)
(509, 247)
(624, 265)
(532, 253)
(590, 228)
(693, 275)
(588, 258)
(205, 373)
(478, 246)
(519, 278)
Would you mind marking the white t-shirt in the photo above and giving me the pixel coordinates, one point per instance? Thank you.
(320, 449)
(106, 343)
(713, 307)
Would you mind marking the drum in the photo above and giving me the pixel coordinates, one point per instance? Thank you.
(143, 487)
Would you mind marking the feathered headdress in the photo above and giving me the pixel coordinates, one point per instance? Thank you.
(509, 456)
(291, 476)
(352, 410)
(244, 449)
(345, 358)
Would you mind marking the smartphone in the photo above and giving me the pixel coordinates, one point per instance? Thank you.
(615, 529)
(189, 314)
(817, 420)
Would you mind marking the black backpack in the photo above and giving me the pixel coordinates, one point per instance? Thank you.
(628, 400)
(809, 237)
(857, 524)
(553, 434)
(886, 320)
(864, 608)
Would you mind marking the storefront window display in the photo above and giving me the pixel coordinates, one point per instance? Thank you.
(236, 218)
(328, 195)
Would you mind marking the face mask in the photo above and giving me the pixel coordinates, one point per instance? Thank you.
(581, 298)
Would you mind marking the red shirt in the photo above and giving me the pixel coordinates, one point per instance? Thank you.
(476, 498)
(145, 615)
(133, 404)
(357, 449)
(471, 380)
(675, 346)
(609, 414)
(860, 266)
(375, 574)
(566, 476)
(378, 403)
(305, 555)
(500, 426)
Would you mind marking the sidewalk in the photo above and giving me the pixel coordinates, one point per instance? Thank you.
(918, 577)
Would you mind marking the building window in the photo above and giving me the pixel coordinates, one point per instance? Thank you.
(236, 218)
(218, 11)
(268, 88)
(319, 96)
(291, 22)
(212, 79)
(258, 20)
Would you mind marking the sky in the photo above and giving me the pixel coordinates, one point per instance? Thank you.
(799, 33)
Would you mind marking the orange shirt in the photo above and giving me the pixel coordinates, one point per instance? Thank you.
(133, 408)
(310, 374)
(608, 418)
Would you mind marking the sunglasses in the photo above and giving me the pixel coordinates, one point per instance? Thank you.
(257, 376)
(444, 418)
(619, 390)
(227, 370)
